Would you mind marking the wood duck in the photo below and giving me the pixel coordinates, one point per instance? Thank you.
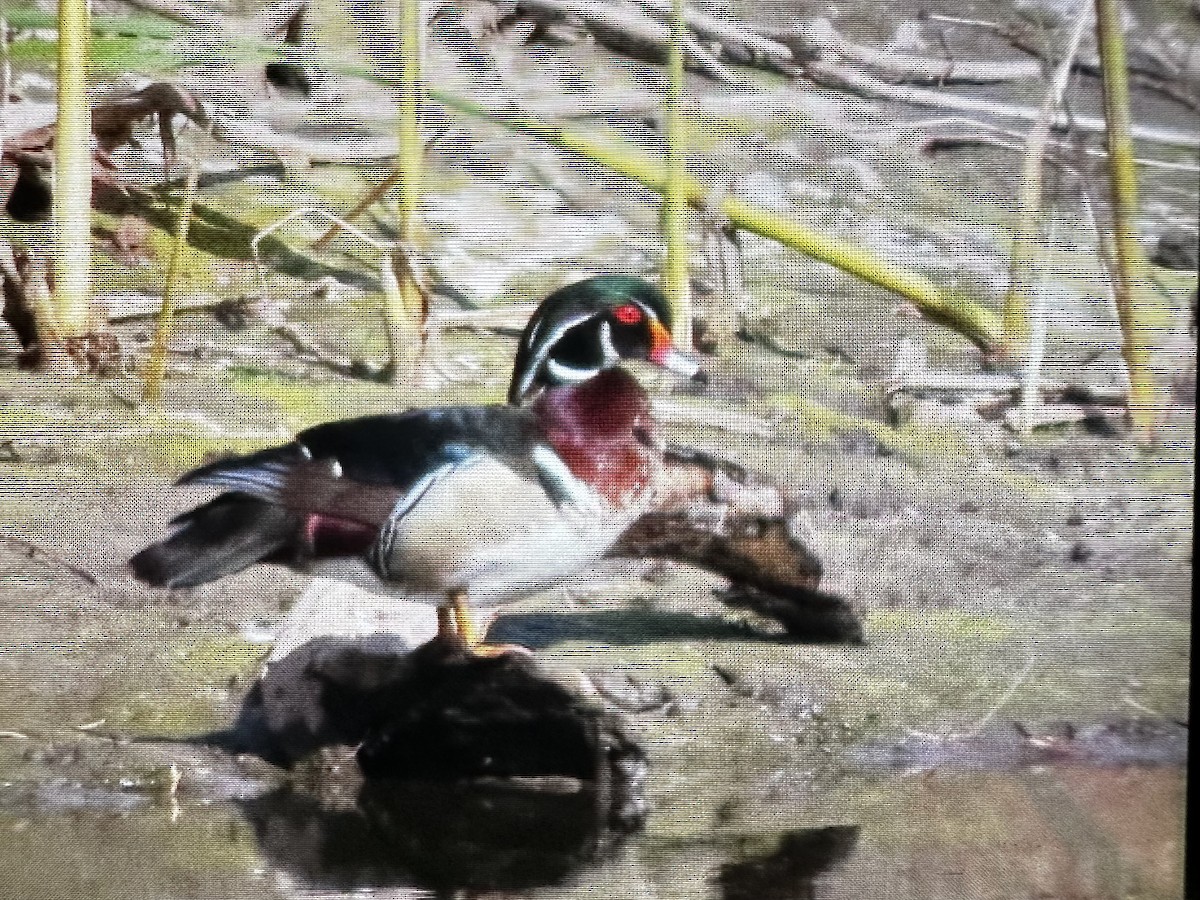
(456, 505)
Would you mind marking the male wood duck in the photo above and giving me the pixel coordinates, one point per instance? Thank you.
(456, 505)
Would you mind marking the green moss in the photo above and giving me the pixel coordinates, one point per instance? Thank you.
(216, 660)
(303, 402)
(167, 715)
(175, 450)
(109, 55)
(942, 622)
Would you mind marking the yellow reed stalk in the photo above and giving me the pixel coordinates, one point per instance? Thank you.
(403, 305)
(72, 175)
(1144, 317)
(977, 323)
(675, 281)
(156, 364)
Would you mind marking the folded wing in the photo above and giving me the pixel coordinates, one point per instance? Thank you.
(331, 492)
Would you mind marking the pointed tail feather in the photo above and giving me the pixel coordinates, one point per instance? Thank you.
(217, 539)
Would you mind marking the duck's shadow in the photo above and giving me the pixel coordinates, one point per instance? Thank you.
(624, 627)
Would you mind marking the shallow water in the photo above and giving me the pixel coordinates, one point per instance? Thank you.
(1037, 832)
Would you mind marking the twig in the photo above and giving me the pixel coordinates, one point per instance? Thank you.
(910, 373)
(390, 251)
(820, 40)
(1027, 418)
(864, 85)
(306, 346)
(5, 72)
(123, 306)
(675, 281)
(262, 136)
(33, 551)
(1024, 39)
(1024, 308)
(1013, 687)
(156, 365)
(991, 136)
(737, 40)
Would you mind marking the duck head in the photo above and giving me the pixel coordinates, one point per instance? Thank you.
(585, 328)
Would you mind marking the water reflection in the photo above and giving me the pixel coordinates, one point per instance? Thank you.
(463, 841)
(444, 838)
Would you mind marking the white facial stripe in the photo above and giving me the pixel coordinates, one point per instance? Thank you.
(543, 348)
(611, 356)
(570, 374)
(533, 332)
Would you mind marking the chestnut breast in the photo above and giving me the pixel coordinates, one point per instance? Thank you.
(602, 430)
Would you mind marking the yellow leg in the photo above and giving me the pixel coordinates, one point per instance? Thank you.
(462, 619)
(467, 633)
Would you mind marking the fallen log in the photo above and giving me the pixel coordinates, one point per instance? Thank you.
(723, 520)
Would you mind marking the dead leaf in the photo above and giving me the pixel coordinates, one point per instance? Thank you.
(24, 190)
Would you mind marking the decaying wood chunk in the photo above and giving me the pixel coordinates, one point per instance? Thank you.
(721, 519)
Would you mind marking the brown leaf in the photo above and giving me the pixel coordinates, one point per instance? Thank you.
(113, 121)
(23, 190)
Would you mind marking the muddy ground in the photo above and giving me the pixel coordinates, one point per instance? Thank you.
(1015, 723)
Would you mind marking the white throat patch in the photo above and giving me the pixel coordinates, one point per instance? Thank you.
(569, 374)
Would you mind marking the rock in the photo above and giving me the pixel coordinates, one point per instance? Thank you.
(439, 714)
(1081, 552)
(793, 868)
(435, 767)
(329, 607)
(1177, 248)
(450, 715)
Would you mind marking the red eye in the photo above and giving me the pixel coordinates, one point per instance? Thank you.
(628, 314)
